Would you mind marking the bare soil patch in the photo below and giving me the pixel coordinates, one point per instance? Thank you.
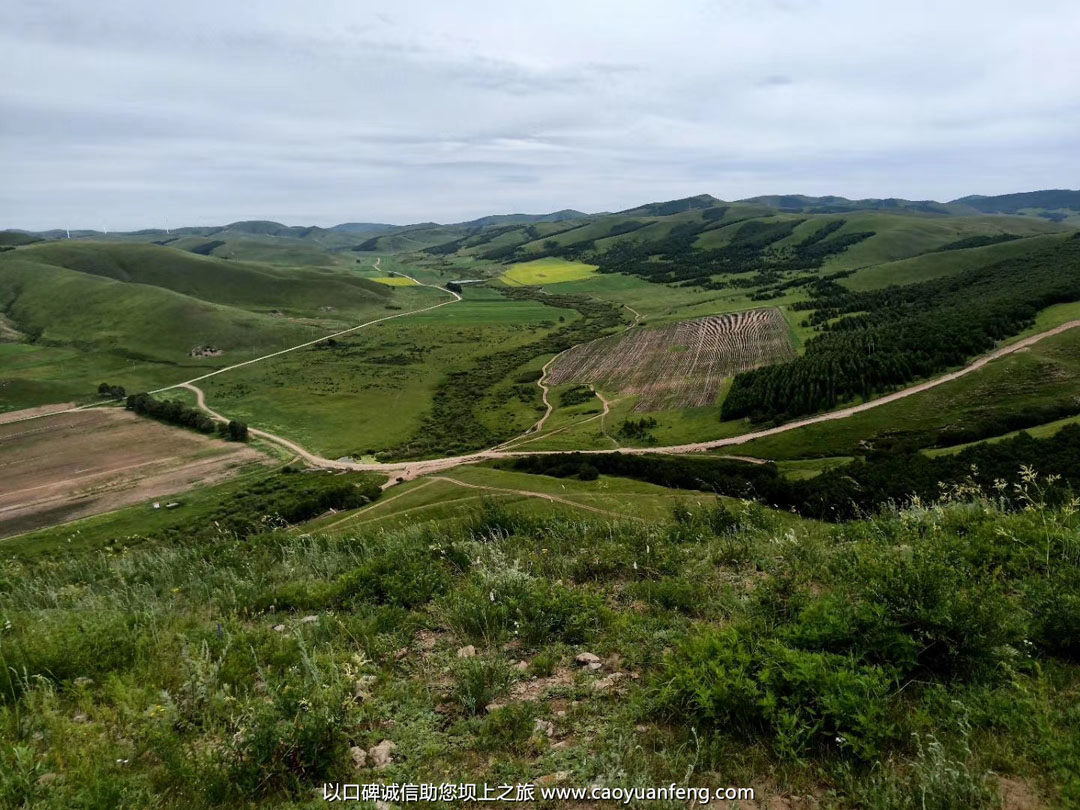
(682, 365)
(31, 413)
(72, 465)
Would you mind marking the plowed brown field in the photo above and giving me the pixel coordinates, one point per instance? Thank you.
(71, 465)
(682, 365)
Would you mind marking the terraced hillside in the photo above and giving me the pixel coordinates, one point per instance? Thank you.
(682, 365)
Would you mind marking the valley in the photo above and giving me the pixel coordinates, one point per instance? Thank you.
(692, 435)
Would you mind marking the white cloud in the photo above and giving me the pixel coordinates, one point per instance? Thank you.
(328, 111)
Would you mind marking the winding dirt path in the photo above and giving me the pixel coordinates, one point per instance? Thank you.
(318, 340)
(408, 470)
(530, 494)
(546, 389)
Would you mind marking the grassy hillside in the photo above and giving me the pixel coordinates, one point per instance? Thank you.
(919, 659)
(240, 284)
(78, 314)
(943, 263)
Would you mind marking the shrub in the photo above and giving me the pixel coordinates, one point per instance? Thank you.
(796, 700)
(670, 593)
(508, 729)
(406, 581)
(480, 680)
(1054, 603)
(65, 647)
(287, 744)
(938, 780)
(487, 610)
(543, 663)
(960, 619)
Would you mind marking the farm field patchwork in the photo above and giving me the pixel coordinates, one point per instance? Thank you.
(547, 271)
(682, 365)
(68, 466)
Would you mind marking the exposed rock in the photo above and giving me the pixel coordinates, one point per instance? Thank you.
(359, 756)
(380, 754)
(588, 660)
(604, 684)
(279, 628)
(493, 707)
(309, 620)
(544, 727)
(79, 718)
(467, 651)
(522, 666)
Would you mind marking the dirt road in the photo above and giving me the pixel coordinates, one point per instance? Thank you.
(52, 410)
(408, 470)
(348, 331)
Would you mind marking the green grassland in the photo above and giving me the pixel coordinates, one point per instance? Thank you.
(292, 291)
(906, 661)
(79, 313)
(369, 391)
(905, 235)
(941, 263)
(457, 494)
(250, 645)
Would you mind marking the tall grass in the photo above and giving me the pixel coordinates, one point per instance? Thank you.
(919, 653)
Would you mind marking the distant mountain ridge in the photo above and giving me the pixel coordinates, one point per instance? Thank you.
(1052, 204)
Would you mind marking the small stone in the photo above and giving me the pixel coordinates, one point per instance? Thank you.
(279, 628)
(561, 713)
(360, 691)
(309, 620)
(494, 707)
(522, 666)
(588, 660)
(560, 745)
(380, 754)
(641, 729)
(467, 651)
(359, 756)
(604, 684)
(544, 727)
(79, 718)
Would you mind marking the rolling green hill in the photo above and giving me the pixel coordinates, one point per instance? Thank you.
(242, 284)
(57, 306)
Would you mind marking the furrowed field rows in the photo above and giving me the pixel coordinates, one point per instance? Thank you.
(682, 365)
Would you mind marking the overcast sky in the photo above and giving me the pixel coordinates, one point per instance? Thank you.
(123, 114)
